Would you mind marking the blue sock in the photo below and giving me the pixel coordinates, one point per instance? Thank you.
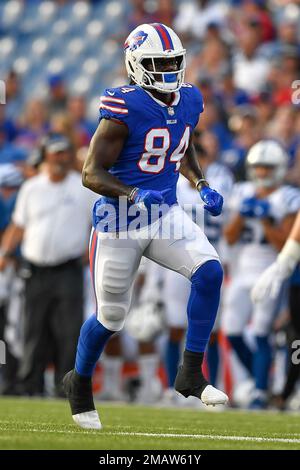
(243, 352)
(92, 339)
(203, 304)
(172, 360)
(262, 362)
(213, 361)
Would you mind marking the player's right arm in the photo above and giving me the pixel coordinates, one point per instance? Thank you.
(270, 281)
(105, 148)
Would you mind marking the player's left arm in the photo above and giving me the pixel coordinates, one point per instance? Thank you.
(191, 169)
(276, 235)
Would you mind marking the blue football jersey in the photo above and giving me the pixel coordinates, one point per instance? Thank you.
(158, 136)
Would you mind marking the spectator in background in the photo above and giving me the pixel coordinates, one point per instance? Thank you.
(256, 10)
(193, 19)
(243, 124)
(61, 123)
(14, 98)
(166, 11)
(33, 125)
(34, 162)
(264, 105)
(288, 27)
(11, 178)
(58, 95)
(250, 67)
(211, 121)
(77, 112)
(9, 152)
(294, 171)
(205, 83)
(7, 124)
(214, 56)
(282, 127)
(140, 15)
(52, 222)
(228, 94)
(210, 60)
(281, 83)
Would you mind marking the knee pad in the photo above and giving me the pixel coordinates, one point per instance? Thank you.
(112, 315)
(114, 291)
(208, 277)
(117, 271)
(115, 296)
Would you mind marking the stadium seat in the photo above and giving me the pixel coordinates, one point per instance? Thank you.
(74, 39)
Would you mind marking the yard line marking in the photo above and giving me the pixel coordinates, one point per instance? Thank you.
(162, 435)
(207, 436)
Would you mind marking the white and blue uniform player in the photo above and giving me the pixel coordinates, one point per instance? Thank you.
(262, 213)
(142, 142)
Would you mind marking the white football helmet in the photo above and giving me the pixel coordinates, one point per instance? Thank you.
(271, 154)
(144, 45)
(146, 321)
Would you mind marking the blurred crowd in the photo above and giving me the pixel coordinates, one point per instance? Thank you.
(244, 55)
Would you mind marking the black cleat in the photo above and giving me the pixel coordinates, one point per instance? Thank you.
(79, 392)
(195, 385)
(190, 384)
(190, 381)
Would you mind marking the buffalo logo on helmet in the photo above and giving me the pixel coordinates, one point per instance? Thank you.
(135, 41)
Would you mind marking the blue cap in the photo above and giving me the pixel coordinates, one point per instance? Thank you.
(54, 80)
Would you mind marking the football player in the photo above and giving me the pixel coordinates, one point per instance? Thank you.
(142, 142)
(263, 213)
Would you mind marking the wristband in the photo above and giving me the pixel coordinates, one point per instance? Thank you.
(201, 181)
(132, 194)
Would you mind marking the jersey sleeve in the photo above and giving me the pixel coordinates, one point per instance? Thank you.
(117, 105)
(291, 200)
(195, 104)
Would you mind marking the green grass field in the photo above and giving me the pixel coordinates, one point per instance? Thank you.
(47, 424)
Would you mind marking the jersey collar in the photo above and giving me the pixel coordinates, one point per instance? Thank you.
(174, 102)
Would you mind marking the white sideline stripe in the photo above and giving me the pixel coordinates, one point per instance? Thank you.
(207, 436)
(163, 435)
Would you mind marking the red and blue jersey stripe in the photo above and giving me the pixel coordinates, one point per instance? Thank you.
(113, 104)
(164, 35)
